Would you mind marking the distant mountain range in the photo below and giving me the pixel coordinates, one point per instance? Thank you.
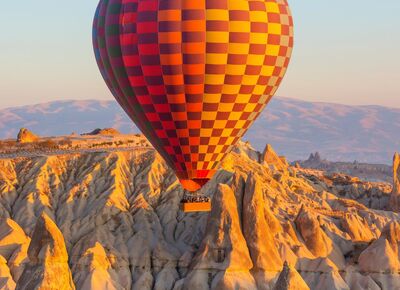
(295, 128)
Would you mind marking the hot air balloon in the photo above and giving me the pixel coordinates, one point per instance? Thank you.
(193, 74)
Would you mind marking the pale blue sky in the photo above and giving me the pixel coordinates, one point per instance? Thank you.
(346, 51)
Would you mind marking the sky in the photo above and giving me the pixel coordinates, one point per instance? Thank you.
(346, 51)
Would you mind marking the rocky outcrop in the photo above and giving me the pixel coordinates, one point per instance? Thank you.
(12, 237)
(258, 234)
(384, 252)
(396, 173)
(365, 171)
(357, 281)
(315, 238)
(6, 280)
(290, 279)
(223, 255)
(395, 197)
(26, 136)
(328, 256)
(245, 149)
(256, 229)
(95, 271)
(48, 259)
(118, 213)
(104, 132)
(13, 246)
(357, 227)
(270, 157)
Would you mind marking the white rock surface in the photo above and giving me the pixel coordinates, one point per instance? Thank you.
(111, 220)
(259, 235)
(48, 259)
(384, 252)
(290, 279)
(223, 251)
(270, 158)
(395, 197)
(95, 271)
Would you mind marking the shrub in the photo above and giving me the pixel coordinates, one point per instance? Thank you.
(66, 143)
(47, 145)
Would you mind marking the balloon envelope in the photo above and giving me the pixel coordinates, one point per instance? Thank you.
(193, 74)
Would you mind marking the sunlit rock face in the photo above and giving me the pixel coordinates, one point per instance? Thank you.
(289, 279)
(26, 136)
(223, 249)
(270, 157)
(395, 197)
(111, 220)
(47, 266)
(6, 280)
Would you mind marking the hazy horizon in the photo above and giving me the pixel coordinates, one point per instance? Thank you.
(352, 59)
(294, 128)
(111, 99)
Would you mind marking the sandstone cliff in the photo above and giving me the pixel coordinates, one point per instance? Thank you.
(289, 279)
(47, 267)
(395, 197)
(26, 136)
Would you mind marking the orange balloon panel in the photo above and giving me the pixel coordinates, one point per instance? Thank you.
(193, 75)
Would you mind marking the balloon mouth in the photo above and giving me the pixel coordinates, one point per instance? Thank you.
(193, 185)
(194, 180)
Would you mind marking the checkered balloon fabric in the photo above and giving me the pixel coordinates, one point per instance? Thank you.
(193, 75)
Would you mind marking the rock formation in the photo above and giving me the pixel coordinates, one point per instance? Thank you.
(11, 237)
(289, 279)
(111, 220)
(395, 197)
(384, 252)
(316, 240)
(365, 171)
(95, 271)
(26, 136)
(48, 259)
(258, 234)
(104, 132)
(6, 280)
(270, 157)
(357, 227)
(223, 252)
(13, 246)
